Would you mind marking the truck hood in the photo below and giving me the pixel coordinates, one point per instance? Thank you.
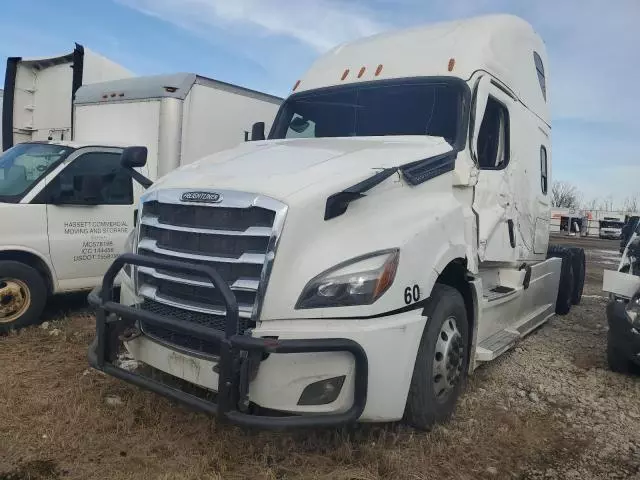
(284, 168)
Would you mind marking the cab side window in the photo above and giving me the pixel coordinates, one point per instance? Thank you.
(544, 173)
(94, 178)
(493, 138)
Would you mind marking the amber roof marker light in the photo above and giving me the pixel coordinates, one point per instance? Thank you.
(379, 70)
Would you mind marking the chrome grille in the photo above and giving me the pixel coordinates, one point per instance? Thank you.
(237, 237)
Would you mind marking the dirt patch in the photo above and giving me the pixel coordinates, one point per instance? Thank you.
(33, 470)
(547, 409)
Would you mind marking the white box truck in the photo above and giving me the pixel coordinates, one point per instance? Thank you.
(39, 93)
(179, 117)
(70, 205)
(390, 235)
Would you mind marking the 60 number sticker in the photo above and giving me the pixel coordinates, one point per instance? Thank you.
(411, 294)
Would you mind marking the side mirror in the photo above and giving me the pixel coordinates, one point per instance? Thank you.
(134, 157)
(257, 131)
(479, 105)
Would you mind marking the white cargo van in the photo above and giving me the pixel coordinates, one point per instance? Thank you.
(390, 235)
(71, 204)
(39, 93)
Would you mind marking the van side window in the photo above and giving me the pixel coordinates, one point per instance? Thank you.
(94, 178)
(540, 70)
(544, 176)
(493, 138)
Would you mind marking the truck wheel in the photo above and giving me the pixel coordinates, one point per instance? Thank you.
(23, 295)
(578, 273)
(566, 288)
(441, 364)
(616, 360)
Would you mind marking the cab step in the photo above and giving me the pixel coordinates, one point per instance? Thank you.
(498, 292)
(495, 345)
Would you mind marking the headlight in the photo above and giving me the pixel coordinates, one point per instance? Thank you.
(128, 248)
(633, 310)
(360, 281)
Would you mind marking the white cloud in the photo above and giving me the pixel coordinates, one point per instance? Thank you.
(321, 24)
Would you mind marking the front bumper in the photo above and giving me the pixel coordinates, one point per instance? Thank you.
(624, 337)
(238, 353)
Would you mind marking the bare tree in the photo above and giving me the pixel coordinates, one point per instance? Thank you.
(564, 195)
(591, 204)
(630, 204)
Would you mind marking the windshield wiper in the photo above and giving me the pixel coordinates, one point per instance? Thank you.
(414, 173)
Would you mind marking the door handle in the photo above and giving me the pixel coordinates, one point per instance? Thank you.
(512, 234)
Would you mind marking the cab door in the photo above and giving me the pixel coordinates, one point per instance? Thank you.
(89, 215)
(496, 192)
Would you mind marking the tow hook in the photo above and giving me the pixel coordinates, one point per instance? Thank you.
(248, 371)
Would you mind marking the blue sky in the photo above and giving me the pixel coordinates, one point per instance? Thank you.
(593, 68)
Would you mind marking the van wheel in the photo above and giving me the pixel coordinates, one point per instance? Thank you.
(442, 361)
(23, 295)
(578, 273)
(566, 289)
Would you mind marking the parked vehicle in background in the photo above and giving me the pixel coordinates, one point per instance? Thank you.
(391, 235)
(39, 93)
(611, 228)
(71, 205)
(179, 117)
(70, 208)
(623, 310)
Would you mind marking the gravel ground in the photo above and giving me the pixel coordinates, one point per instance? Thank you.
(549, 409)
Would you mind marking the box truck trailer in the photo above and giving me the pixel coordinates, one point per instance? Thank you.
(70, 205)
(389, 236)
(179, 118)
(39, 93)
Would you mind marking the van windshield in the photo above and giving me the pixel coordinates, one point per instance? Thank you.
(417, 107)
(23, 165)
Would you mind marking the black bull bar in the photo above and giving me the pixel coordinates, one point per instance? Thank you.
(111, 315)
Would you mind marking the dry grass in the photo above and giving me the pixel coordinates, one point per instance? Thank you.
(55, 424)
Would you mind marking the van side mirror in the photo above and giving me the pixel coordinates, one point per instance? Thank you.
(134, 157)
(479, 105)
(257, 131)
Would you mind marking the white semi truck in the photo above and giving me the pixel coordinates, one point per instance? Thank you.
(389, 236)
(68, 207)
(39, 93)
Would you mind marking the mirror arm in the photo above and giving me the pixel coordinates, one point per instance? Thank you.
(138, 177)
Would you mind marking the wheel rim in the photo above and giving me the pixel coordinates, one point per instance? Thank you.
(448, 360)
(15, 299)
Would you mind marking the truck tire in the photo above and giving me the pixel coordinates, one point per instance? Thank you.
(579, 270)
(442, 360)
(23, 295)
(617, 361)
(566, 288)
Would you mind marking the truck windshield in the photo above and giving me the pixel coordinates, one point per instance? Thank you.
(23, 165)
(416, 107)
